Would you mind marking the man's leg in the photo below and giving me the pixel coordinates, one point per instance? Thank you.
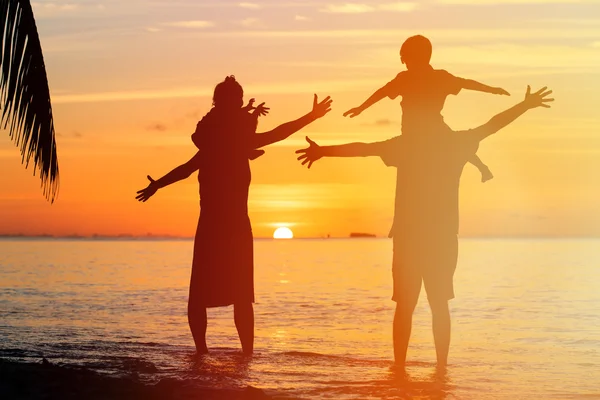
(403, 327)
(438, 277)
(407, 286)
(243, 314)
(441, 330)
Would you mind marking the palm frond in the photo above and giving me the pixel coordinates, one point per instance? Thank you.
(24, 93)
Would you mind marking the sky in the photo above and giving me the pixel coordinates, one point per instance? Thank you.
(130, 79)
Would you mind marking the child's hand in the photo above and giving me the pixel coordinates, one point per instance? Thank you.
(310, 154)
(261, 110)
(537, 99)
(250, 105)
(354, 112)
(320, 109)
(500, 91)
(148, 192)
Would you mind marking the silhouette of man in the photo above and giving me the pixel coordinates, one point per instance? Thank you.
(426, 218)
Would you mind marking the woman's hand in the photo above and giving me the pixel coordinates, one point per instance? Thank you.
(500, 91)
(148, 192)
(310, 154)
(320, 109)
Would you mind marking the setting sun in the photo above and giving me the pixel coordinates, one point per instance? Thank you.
(283, 233)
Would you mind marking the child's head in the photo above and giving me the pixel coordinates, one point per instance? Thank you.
(416, 51)
(228, 94)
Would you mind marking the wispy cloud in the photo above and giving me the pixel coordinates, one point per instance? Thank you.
(470, 35)
(360, 8)
(190, 24)
(380, 123)
(508, 2)
(306, 87)
(301, 18)
(252, 6)
(252, 23)
(157, 127)
(54, 6)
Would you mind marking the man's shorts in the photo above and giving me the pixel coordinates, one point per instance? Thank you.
(431, 260)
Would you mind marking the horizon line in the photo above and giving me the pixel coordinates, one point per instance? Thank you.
(176, 237)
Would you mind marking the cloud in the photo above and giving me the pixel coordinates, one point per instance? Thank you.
(398, 7)
(301, 18)
(252, 23)
(190, 24)
(359, 8)
(40, 7)
(381, 123)
(294, 87)
(447, 35)
(509, 2)
(252, 6)
(349, 8)
(157, 127)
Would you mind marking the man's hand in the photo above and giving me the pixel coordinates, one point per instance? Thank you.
(354, 112)
(320, 109)
(310, 154)
(148, 192)
(537, 99)
(500, 91)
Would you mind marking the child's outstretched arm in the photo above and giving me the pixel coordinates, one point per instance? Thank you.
(315, 152)
(499, 121)
(379, 94)
(470, 84)
(285, 130)
(177, 174)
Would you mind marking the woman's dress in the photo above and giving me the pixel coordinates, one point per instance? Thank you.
(223, 264)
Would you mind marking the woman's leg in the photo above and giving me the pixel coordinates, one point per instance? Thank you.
(243, 315)
(198, 321)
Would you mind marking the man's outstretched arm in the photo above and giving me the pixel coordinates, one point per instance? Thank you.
(315, 152)
(284, 131)
(499, 121)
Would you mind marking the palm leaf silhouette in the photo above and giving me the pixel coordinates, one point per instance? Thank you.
(25, 95)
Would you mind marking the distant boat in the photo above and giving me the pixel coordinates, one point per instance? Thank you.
(362, 235)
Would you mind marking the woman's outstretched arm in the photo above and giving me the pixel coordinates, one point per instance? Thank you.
(177, 174)
(284, 131)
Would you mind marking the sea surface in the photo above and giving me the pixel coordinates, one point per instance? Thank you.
(526, 318)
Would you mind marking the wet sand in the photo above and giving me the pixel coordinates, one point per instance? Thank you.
(44, 380)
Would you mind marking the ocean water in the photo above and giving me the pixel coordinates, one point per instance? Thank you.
(526, 318)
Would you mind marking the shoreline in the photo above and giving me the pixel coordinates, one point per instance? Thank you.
(44, 380)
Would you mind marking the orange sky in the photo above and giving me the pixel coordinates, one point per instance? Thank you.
(129, 80)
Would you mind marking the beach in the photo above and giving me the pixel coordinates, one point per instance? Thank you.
(49, 381)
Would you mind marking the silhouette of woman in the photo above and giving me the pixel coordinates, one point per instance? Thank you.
(223, 265)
